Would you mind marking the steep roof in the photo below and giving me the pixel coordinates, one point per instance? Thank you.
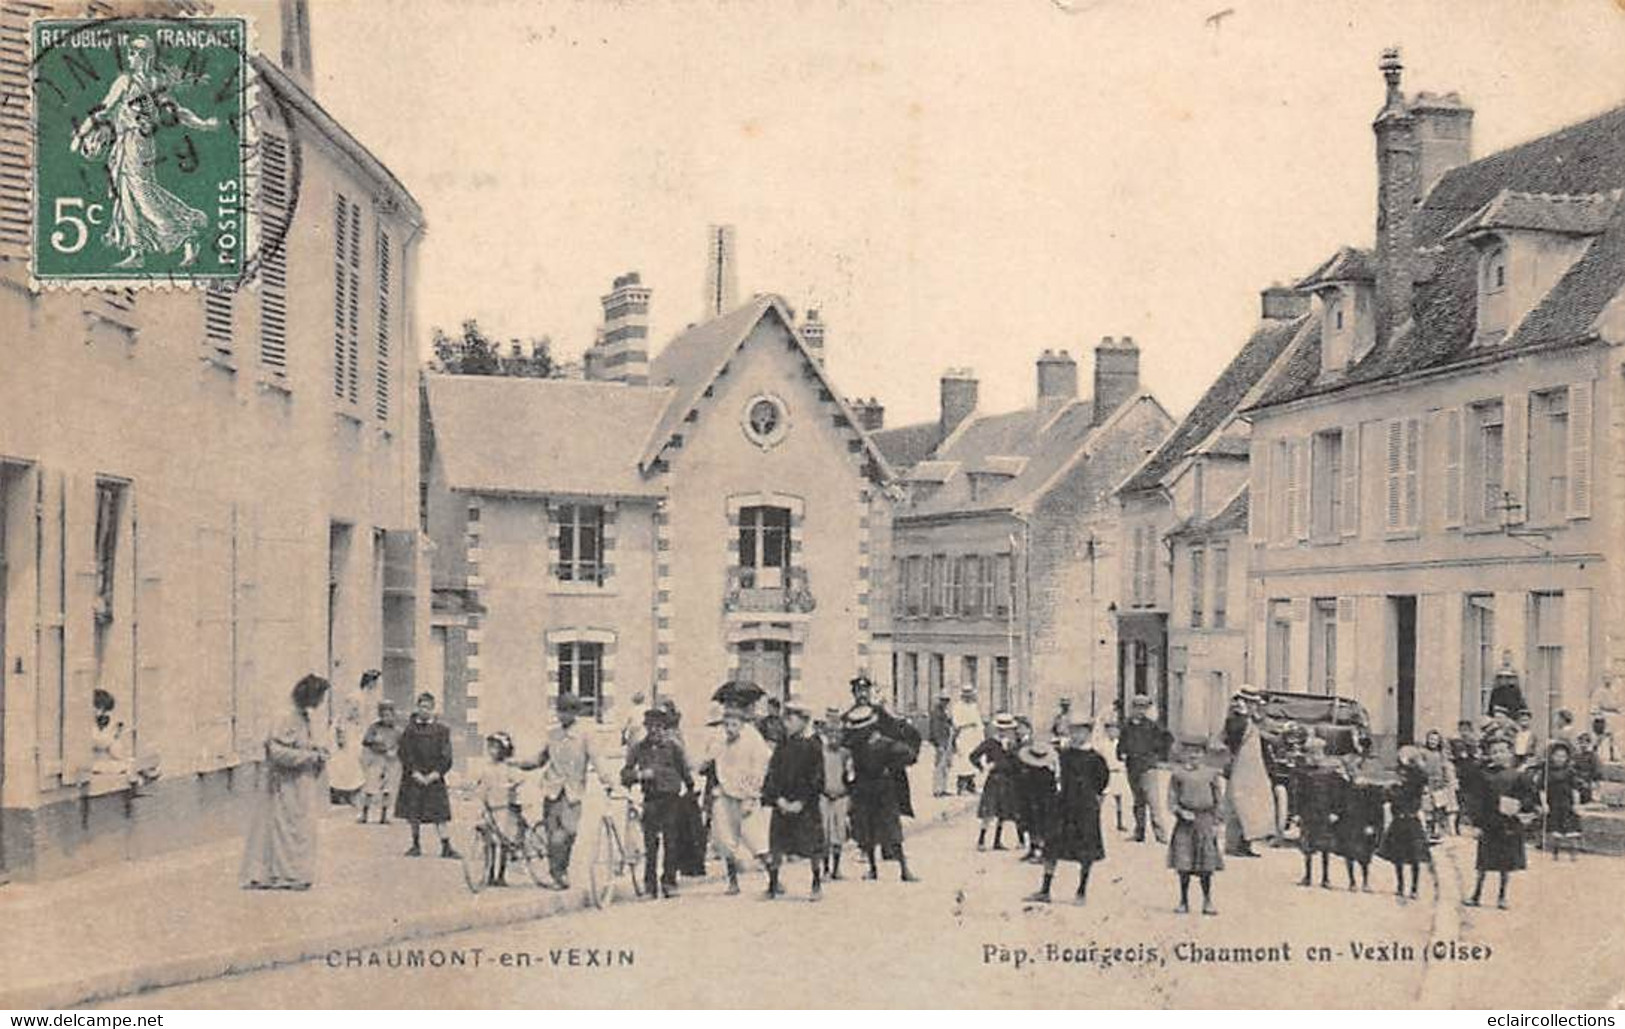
(1043, 437)
(1581, 160)
(1347, 265)
(907, 445)
(1583, 215)
(542, 436)
(692, 361)
(1256, 356)
(1231, 518)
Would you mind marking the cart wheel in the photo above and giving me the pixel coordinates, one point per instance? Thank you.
(633, 844)
(608, 859)
(476, 858)
(533, 850)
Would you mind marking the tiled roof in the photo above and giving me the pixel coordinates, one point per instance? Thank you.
(907, 445)
(1256, 356)
(933, 471)
(544, 436)
(1231, 518)
(1583, 159)
(1584, 215)
(1347, 265)
(999, 465)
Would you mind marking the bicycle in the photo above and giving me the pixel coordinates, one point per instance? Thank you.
(487, 843)
(617, 853)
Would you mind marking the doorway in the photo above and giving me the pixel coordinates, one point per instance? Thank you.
(1404, 669)
(767, 664)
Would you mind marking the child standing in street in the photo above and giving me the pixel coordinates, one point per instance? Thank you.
(1119, 777)
(1036, 794)
(793, 790)
(1359, 824)
(997, 758)
(1507, 806)
(1074, 831)
(1195, 794)
(1406, 842)
(837, 774)
(1317, 797)
(380, 766)
(496, 787)
(1560, 784)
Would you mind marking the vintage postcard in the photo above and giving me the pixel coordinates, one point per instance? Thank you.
(1024, 504)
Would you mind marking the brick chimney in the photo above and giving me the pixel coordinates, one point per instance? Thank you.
(1057, 378)
(959, 395)
(1418, 141)
(812, 334)
(1117, 375)
(1283, 303)
(622, 351)
(870, 413)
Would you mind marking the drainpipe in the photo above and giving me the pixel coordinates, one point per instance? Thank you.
(1026, 605)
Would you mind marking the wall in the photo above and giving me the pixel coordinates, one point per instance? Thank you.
(233, 478)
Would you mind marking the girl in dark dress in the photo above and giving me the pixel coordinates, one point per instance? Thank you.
(1318, 789)
(1359, 823)
(1195, 796)
(878, 800)
(1074, 832)
(1036, 789)
(1560, 783)
(793, 789)
(425, 754)
(1507, 804)
(997, 757)
(1406, 841)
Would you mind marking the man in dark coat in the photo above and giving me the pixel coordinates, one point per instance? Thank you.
(879, 762)
(1140, 746)
(425, 753)
(1075, 830)
(656, 764)
(940, 732)
(893, 727)
(771, 725)
(793, 791)
(1506, 694)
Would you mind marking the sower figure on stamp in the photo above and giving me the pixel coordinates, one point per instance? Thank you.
(1073, 833)
(738, 767)
(565, 759)
(1141, 744)
(657, 765)
(878, 761)
(425, 753)
(793, 790)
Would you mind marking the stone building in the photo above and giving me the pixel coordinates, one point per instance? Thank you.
(203, 495)
(1181, 610)
(1439, 476)
(1001, 570)
(672, 523)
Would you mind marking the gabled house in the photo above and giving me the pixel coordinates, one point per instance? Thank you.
(662, 527)
(1180, 610)
(999, 577)
(1437, 474)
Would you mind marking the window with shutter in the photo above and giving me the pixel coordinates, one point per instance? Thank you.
(1326, 494)
(1453, 448)
(1413, 471)
(381, 364)
(1394, 495)
(1349, 512)
(346, 298)
(1300, 507)
(1579, 455)
(274, 199)
(1197, 585)
(1221, 585)
(16, 125)
(1516, 450)
(218, 301)
(1549, 456)
(1291, 518)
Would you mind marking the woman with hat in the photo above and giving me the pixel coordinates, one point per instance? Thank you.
(878, 761)
(968, 735)
(1074, 830)
(1251, 794)
(1036, 768)
(280, 853)
(793, 790)
(997, 758)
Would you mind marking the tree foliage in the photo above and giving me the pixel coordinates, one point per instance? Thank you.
(472, 352)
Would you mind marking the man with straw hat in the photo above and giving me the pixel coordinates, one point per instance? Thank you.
(793, 790)
(878, 762)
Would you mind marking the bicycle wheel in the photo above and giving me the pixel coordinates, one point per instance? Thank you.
(608, 859)
(533, 850)
(475, 858)
(632, 842)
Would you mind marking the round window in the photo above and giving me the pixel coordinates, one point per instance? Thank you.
(765, 420)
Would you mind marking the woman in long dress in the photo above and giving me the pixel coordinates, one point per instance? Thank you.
(968, 735)
(145, 217)
(281, 849)
(1251, 795)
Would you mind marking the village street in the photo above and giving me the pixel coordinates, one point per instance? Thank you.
(690, 951)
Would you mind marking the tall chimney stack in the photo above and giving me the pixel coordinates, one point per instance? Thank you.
(812, 334)
(1117, 376)
(959, 389)
(1057, 379)
(622, 351)
(1282, 303)
(1398, 190)
(870, 413)
(721, 272)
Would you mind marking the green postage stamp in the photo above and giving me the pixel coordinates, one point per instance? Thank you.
(139, 156)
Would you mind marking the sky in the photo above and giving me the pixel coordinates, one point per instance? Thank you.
(953, 184)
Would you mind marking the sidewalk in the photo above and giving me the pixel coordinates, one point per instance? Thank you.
(182, 917)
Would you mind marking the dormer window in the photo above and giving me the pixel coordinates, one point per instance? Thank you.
(1334, 311)
(1492, 294)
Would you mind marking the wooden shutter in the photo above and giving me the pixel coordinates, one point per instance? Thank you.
(16, 125)
(1393, 506)
(381, 368)
(341, 285)
(352, 334)
(1577, 680)
(274, 194)
(1452, 466)
(79, 605)
(217, 315)
(1259, 493)
(1301, 491)
(1351, 480)
(1580, 430)
(1515, 451)
(1346, 667)
(1412, 472)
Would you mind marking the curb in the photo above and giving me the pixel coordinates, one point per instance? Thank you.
(110, 985)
